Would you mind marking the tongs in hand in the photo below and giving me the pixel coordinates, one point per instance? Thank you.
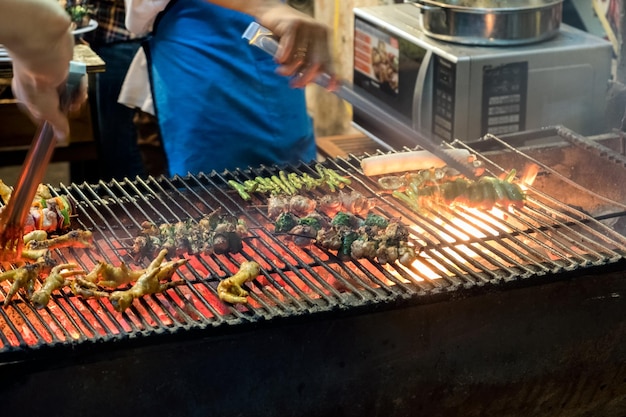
(14, 214)
(264, 39)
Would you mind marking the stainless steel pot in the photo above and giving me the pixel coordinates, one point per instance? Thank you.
(490, 22)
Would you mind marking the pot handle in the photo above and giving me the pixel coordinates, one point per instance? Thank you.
(423, 6)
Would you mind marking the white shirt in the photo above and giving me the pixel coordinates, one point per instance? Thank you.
(135, 92)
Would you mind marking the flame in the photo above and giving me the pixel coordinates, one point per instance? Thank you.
(528, 176)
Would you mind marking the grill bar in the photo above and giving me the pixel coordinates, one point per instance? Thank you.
(545, 239)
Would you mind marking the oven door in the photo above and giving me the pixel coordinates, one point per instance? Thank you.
(396, 71)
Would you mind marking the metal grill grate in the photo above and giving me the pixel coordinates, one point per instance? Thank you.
(545, 239)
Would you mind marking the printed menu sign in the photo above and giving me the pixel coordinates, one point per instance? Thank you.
(377, 56)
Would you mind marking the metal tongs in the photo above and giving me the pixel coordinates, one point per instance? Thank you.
(263, 38)
(33, 169)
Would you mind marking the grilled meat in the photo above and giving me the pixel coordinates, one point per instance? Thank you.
(330, 204)
(58, 278)
(215, 233)
(47, 213)
(155, 278)
(354, 202)
(149, 282)
(352, 237)
(25, 276)
(107, 275)
(297, 204)
(231, 289)
(73, 239)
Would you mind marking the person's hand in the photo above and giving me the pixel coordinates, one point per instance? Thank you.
(40, 99)
(303, 50)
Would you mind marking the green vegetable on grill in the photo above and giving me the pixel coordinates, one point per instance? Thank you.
(285, 222)
(346, 220)
(311, 221)
(373, 219)
(290, 183)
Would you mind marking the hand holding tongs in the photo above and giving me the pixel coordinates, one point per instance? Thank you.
(264, 39)
(33, 170)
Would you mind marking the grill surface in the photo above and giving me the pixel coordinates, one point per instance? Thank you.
(551, 240)
(544, 240)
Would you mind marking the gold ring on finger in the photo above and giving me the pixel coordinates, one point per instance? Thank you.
(300, 53)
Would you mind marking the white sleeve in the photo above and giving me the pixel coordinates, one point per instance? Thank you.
(140, 14)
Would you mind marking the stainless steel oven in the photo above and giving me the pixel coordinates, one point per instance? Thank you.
(455, 91)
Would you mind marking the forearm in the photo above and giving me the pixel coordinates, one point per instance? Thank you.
(37, 35)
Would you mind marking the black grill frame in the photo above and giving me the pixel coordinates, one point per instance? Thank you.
(543, 339)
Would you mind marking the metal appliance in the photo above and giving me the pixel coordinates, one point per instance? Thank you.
(519, 314)
(490, 22)
(453, 91)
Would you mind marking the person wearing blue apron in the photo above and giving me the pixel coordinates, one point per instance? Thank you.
(219, 101)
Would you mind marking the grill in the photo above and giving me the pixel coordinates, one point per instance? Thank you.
(510, 312)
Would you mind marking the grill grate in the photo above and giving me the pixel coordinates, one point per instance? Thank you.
(545, 239)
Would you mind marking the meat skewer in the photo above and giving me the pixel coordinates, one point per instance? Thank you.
(215, 233)
(46, 213)
(329, 204)
(375, 237)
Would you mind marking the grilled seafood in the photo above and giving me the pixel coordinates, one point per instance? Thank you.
(56, 279)
(231, 289)
(215, 233)
(297, 204)
(329, 204)
(353, 202)
(149, 282)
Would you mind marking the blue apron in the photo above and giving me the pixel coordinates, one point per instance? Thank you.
(219, 102)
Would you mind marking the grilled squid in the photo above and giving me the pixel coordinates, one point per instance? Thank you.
(409, 161)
